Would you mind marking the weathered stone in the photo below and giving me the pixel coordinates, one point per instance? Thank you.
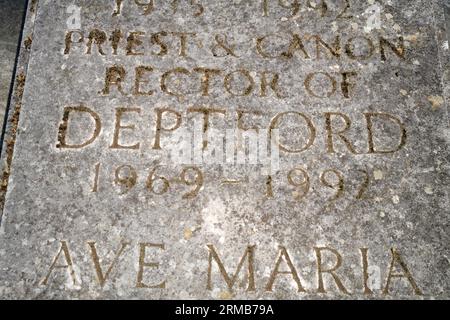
(99, 199)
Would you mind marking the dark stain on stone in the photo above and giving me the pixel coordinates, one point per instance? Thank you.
(33, 6)
(27, 43)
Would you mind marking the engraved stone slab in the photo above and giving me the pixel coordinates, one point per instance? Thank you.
(273, 149)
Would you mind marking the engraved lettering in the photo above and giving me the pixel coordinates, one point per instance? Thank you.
(63, 128)
(284, 256)
(143, 264)
(161, 128)
(231, 281)
(332, 271)
(96, 260)
(398, 261)
(64, 251)
(119, 113)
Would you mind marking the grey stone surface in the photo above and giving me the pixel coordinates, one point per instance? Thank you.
(11, 16)
(360, 213)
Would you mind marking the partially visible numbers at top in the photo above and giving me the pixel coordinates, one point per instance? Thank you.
(338, 9)
(146, 7)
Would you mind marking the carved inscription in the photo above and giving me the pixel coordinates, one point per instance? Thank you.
(173, 106)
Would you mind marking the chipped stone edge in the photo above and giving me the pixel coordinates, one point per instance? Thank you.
(15, 100)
